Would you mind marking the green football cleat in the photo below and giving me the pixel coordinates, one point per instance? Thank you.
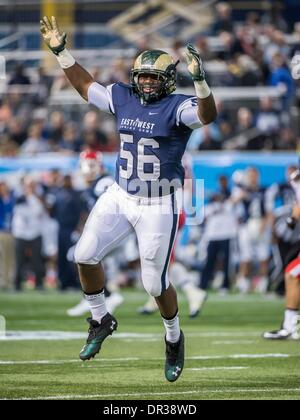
(97, 334)
(174, 359)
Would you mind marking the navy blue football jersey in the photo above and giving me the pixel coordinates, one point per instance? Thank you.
(254, 204)
(280, 195)
(91, 194)
(153, 140)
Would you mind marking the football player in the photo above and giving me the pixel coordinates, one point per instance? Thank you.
(154, 128)
(254, 235)
(290, 328)
(286, 242)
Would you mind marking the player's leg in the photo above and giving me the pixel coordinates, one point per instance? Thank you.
(112, 298)
(225, 245)
(20, 253)
(3, 271)
(156, 231)
(243, 283)
(111, 265)
(263, 253)
(104, 230)
(149, 308)
(292, 283)
(290, 327)
(181, 278)
(7, 262)
(292, 286)
(208, 270)
(262, 283)
(38, 264)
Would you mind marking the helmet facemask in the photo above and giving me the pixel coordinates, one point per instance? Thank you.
(160, 65)
(158, 88)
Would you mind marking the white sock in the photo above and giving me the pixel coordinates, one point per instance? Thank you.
(289, 319)
(97, 305)
(172, 329)
(243, 284)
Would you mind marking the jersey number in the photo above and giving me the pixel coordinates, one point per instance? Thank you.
(142, 159)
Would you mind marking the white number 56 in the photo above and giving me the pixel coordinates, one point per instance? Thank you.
(142, 159)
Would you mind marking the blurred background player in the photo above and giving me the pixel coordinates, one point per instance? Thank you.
(68, 211)
(286, 242)
(50, 232)
(254, 236)
(51, 185)
(27, 222)
(97, 181)
(220, 230)
(7, 251)
(290, 328)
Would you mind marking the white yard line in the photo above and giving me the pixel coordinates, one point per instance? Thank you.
(245, 299)
(42, 335)
(129, 359)
(62, 362)
(204, 369)
(166, 394)
(220, 334)
(231, 342)
(243, 356)
(69, 335)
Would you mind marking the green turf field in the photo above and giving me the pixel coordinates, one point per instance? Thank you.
(225, 356)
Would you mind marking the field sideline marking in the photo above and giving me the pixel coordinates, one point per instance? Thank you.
(149, 394)
(126, 359)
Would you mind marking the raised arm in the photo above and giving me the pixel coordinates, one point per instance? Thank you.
(55, 39)
(207, 111)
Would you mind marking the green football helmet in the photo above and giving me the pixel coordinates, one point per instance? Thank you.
(158, 63)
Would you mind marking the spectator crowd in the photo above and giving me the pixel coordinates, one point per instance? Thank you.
(254, 53)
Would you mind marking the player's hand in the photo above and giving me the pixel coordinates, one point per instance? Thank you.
(194, 62)
(53, 37)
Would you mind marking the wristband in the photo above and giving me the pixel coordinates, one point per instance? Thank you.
(202, 89)
(65, 59)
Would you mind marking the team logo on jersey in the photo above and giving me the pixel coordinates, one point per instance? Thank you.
(137, 125)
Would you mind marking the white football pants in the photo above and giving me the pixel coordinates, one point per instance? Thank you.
(117, 214)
